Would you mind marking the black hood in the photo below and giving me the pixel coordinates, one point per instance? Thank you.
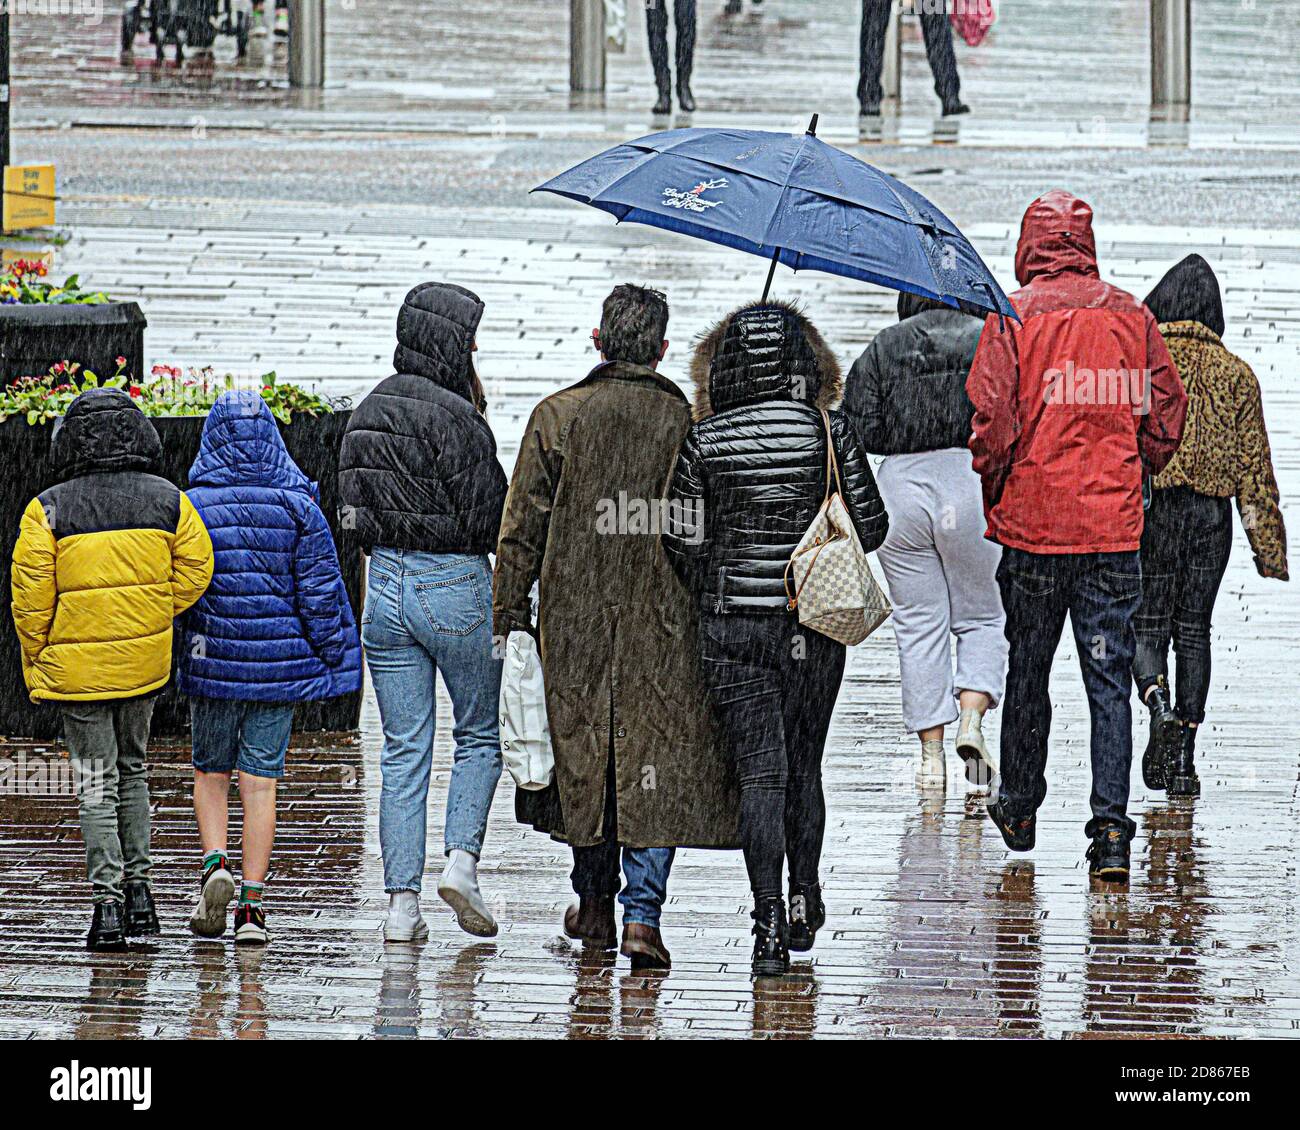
(104, 431)
(764, 351)
(435, 335)
(1189, 292)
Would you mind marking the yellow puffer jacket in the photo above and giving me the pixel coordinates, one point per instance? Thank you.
(105, 560)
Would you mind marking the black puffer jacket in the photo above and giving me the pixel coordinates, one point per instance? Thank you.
(907, 392)
(755, 460)
(418, 465)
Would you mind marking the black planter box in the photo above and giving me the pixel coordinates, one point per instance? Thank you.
(313, 441)
(34, 337)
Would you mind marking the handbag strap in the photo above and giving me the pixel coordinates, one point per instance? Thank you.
(832, 462)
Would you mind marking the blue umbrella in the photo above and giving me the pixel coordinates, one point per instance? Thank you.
(791, 198)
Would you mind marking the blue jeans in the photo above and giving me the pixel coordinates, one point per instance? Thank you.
(228, 734)
(427, 613)
(595, 869)
(1101, 592)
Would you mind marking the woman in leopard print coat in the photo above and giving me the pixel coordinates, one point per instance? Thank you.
(1188, 535)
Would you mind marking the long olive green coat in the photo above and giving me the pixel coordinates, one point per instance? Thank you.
(617, 631)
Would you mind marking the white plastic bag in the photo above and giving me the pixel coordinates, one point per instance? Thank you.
(525, 731)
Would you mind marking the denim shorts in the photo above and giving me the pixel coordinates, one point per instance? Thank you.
(229, 734)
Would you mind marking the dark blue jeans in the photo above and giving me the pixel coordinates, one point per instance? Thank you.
(1100, 592)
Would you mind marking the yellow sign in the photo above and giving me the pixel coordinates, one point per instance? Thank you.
(28, 197)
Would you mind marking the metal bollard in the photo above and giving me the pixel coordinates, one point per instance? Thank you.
(307, 43)
(891, 71)
(1171, 55)
(587, 45)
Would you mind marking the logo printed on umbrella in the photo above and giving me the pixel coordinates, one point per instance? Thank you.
(691, 200)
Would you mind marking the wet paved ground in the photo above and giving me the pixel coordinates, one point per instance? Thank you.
(291, 249)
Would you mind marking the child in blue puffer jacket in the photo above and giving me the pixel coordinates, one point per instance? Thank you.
(274, 629)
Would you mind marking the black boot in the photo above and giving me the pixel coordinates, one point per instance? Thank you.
(771, 938)
(141, 917)
(1108, 855)
(656, 22)
(807, 915)
(954, 106)
(1183, 780)
(1163, 739)
(107, 931)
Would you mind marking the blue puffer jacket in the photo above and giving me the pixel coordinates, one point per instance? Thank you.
(275, 625)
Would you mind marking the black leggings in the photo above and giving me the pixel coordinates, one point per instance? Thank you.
(1185, 547)
(937, 30)
(656, 22)
(774, 685)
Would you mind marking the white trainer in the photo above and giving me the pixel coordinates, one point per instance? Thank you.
(932, 772)
(981, 769)
(404, 922)
(458, 888)
(208, 919)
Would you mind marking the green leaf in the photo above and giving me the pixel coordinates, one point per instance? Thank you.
(32, 415)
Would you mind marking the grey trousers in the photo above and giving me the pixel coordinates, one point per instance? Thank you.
(107, 741)
(942, 577)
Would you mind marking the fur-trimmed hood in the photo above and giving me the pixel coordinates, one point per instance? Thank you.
(763, 351)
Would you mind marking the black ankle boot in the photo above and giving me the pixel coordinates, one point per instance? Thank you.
(141, 917)
(954, 106)
(1181, 773)
(1163, 739)
(771, 936)
(685, 100)
(107, 931)
(807, 915)
(664, 106)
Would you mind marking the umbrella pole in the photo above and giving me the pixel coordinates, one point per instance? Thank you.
(771, 271)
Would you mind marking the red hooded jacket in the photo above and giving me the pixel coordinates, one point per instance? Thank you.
(1073, 404)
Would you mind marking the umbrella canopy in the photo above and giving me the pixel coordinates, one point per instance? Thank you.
(791, 198)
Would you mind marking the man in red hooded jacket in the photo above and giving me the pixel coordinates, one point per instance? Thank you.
(1072, 407)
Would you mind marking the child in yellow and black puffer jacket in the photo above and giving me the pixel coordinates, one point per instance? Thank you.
(105, 560)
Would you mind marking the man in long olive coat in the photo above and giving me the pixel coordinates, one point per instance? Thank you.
(637, 758)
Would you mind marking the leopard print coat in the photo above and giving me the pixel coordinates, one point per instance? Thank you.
(1225, 450)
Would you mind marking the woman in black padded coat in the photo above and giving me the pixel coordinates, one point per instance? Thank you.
(749, 481)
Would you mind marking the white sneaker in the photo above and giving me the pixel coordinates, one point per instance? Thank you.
(208, 919)
(932, 772)
(981, 769)
(404, 922)
(458, 888)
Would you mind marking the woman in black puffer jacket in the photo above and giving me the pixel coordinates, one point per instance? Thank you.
(752, 469)
(418, 474)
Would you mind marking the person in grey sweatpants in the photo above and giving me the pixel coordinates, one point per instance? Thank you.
(907, 397)
(941, 573)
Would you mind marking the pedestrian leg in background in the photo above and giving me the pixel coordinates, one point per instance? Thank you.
(975, 616)
(1107, 591)
(214, 751)
(937, 30)
(743, 669)
(404, 679)
(91, 731)
(871, 54)
(684, 22)
(596, 879)
(1207, 544)
(656, 22)
(917, 589)
(647, 871)
(1153, 627)
(816, 670)
(1035, 596)
(458, 634)
(263, 743)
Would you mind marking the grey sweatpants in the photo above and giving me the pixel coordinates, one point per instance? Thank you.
(107, 741)
(941, 572)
